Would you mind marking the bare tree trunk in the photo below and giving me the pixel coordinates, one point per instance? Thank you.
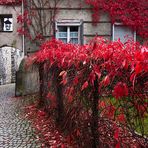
(41, 91)
(44, 76)
(59, 92)
(94, 124)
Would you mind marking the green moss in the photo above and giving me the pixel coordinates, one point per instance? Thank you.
(134, 119)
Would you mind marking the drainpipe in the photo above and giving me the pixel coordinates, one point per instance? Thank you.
(23, 37)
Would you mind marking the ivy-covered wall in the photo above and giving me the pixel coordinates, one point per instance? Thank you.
(47, 15)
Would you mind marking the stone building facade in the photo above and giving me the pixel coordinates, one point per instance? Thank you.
(11, 47)
(10, 37)
(73, 23)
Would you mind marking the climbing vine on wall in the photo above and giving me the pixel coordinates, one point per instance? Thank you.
(10, 2)
(133, 13)
(36, 22)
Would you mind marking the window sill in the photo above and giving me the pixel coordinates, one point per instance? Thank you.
(6, 31)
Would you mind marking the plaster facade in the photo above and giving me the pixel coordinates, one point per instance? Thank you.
(11, 47)
(11, 39)
(73, 10)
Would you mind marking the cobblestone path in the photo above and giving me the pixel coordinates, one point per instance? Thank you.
(15, 132)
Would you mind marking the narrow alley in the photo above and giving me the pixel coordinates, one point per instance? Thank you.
(15, 132)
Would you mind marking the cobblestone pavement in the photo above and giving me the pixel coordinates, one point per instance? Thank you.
(15, 132)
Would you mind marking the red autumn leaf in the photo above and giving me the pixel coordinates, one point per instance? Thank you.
(84, 86)
(101, 104)
(121, 118)
(125, 64)
(63, 146)
(76, 81)
(139, 56)
(41, 113)
(49, 95)
(63, 73)
(120, 90)
(64, 81)
(116, 134)
(70, 99)
(78, 132)
(112, 111)
(138, 68)
(94, 46)
(92, 78)
(97, 71)
(117, 145)
(52, 99)
(132, 79)
(106, 81)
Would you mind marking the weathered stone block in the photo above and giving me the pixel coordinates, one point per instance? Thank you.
(27, 79)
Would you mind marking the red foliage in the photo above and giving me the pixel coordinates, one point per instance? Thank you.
(106, 81)
(120, 90)
(118, 66)
(126, 61)
(10, 2)
(84, 86)
(48, 134)
(126, 11)
(114, 65)
(132, 13)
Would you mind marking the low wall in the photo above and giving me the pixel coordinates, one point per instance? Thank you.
(27, 79)
(10, 59)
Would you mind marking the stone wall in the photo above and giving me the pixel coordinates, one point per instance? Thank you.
(10, 59)
(27, 79)
(11, 38)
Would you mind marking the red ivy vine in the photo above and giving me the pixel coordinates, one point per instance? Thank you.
(10, 2)
(133, 13)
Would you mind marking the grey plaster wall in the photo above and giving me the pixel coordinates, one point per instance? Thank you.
(74, 9)
(11, 38)
(103, 27)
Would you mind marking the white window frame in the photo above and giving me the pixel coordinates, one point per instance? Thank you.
(68, 24)
(120, 24)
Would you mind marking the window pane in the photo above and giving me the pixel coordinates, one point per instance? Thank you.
(62, 35)
(74, 41)
(74, 29)
(74, 34)
(123, 32)
(64, 40)
(68, 33)
(62, 28)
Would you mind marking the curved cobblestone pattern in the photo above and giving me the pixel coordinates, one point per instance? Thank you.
(15, 132)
